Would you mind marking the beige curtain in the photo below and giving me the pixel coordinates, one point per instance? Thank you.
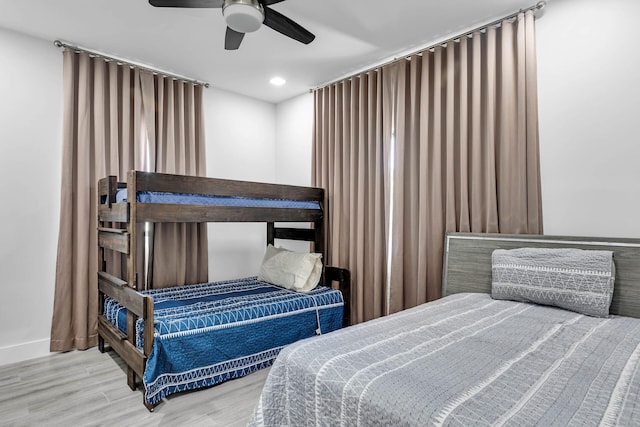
(460, 129)
(349, 161)
(116, 119)
(179, 251)
(103, 106)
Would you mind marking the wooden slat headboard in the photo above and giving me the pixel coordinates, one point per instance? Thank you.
(467, 262)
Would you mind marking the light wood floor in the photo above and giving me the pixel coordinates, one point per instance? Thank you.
(89, 388)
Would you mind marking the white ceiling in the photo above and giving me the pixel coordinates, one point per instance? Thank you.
(351, 35)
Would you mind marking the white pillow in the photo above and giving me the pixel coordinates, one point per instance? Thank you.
(292, 270)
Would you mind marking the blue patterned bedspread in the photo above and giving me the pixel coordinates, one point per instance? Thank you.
(209, 200)
(208, 333)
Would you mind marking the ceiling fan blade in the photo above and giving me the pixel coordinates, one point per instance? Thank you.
(286, 26)
(270, 2)
(187, 3)
(232, 39)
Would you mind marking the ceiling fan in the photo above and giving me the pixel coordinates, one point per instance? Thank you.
(245, 16)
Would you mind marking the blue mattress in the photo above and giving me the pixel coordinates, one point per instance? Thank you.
(208, 333)
(203, 199)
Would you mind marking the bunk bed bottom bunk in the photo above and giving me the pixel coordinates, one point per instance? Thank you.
(208, 333)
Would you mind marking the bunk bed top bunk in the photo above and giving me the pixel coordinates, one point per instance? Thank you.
(131, 322)
(180, 198)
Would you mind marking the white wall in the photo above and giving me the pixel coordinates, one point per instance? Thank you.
(241, 138)
(294, 127)
(30, 163)
(589, 103)
(253, 141)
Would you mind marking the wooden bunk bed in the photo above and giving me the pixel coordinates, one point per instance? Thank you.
(119, 224)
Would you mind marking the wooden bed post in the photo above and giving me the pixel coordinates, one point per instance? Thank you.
(343, 277)
(271, 233)
(318, 242)
(132, 271)
(101, 263)
(107, 189)
(131, 336)
(132, 229)
(101, 267)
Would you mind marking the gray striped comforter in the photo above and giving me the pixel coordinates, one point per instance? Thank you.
(462, 360)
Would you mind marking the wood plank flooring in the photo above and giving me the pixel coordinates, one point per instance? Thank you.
(89, 388)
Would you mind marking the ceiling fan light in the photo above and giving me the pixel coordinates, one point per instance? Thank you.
(243, 17)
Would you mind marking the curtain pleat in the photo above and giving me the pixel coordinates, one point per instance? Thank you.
(179, 251)
(348, 163)
(451, 144)
(99, 139)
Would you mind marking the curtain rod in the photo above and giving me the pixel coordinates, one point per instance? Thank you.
(538, 6)
(131, 64)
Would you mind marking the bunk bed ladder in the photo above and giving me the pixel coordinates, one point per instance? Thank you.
(112, 236)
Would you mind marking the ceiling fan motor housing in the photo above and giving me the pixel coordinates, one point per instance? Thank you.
(243, 16)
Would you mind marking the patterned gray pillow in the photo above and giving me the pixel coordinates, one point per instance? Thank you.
(573, 279)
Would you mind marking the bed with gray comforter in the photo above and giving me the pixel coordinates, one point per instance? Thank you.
(466, 359)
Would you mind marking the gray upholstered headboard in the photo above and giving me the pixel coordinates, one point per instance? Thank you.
(467, 262)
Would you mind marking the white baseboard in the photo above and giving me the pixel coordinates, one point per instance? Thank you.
(24, 351)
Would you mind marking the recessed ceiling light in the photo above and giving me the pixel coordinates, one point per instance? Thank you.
(277, 81)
